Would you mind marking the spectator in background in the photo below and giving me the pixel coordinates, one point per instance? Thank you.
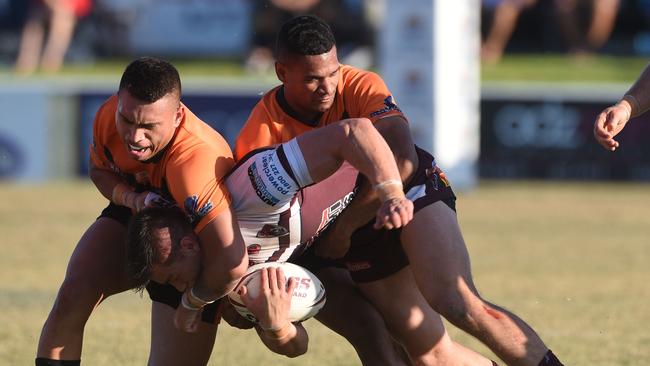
(600, 26)
(505, 14)
(346, 18)
(569, 13)
(60, 18)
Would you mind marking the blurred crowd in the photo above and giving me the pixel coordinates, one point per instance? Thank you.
(576, 27)
(38, 35)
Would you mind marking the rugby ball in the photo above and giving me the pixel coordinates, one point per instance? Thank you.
(308, 297)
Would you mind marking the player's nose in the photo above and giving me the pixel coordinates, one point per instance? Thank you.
(136, 134)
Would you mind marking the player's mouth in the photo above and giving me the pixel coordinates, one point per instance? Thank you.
(137, 151)
(325, 99)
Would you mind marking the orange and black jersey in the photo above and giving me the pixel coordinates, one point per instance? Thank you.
(189, 171)
(359, 94)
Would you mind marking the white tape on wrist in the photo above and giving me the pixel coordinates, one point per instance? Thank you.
(186, 304)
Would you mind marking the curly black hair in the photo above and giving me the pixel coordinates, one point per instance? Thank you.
(149, 79)
(304, 35)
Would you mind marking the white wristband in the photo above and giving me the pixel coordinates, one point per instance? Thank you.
(389, 189)
(186, 304)
(198, 299)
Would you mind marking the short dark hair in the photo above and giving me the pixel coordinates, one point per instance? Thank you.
(142, 251)
(149, 79)
(304, 35)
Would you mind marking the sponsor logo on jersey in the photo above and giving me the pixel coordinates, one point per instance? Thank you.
(269, 179)
(276, 179)
(389, 102)
(259, 186)
(254, 249)
(437, 177)
(272, 231)
(193, 211)
(357, 266)
(330, 213)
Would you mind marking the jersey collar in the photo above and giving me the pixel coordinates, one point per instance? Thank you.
(282, 101)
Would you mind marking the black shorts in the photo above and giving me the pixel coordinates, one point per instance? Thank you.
(163, 293)
(377, 254)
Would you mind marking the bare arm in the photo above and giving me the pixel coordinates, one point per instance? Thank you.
(640, 94)
(224, 257)
(611, 121)
(358, 142)
(353, 140)
(336, 240)
(224, 262)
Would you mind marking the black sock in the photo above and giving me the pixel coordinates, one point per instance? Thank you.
(550, 360)
(40, 361)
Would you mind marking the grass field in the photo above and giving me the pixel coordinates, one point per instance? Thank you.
(570, 258)
(533, 68)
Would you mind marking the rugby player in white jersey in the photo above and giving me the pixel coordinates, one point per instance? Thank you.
(263, 187)
(267, 191)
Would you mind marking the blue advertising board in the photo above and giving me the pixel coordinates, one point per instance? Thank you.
(553, 139)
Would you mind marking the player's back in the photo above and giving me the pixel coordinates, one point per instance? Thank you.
(276, 224)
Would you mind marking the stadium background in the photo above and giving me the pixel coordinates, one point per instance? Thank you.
(555, 225)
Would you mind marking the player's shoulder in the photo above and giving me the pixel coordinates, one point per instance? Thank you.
(106, 112)
(359, 82)
(269, 104)
(196, 138)
(267, 112)
(353, 75)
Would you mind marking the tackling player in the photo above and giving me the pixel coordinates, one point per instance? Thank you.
(316, 90)
(146, 141)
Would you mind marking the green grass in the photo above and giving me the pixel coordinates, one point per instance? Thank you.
(570, 258)
(562, 68)
(556, 68)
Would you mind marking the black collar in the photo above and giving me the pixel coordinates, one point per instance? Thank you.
(282, 101)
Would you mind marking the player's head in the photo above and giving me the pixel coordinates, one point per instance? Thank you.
(161, 246)
(149, 108)
(307, 64)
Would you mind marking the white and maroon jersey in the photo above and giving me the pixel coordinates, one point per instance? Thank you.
(266, 190)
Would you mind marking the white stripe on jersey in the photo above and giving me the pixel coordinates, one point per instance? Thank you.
(297, 162)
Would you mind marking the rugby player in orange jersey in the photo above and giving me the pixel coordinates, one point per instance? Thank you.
(428, 261)
(148, 144)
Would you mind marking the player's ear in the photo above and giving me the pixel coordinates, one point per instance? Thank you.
(280, 71)
(190, 243)
(179, 116)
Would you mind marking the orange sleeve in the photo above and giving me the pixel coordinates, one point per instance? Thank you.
(255, 133)
(104, 120)
(195, 181)
(372, 97)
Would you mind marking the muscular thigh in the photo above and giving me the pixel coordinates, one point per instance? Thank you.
(98, 261)
(436, 250)
(406, 311)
